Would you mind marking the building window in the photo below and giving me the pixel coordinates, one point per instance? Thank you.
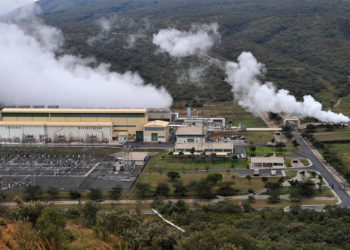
(153, 129)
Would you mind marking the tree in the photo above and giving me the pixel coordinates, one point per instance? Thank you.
(162, 189)
(51, 226)
(249, 178)
(265, 179)
(204, 189)
(142, 189)
(32, 193)
(193, 150)
(74, 194)
(214, 178)
(295, 143)
(116, 192)
(226, 189)
(53, 192)
(89, 212)
(30, 211)
(173, 175)
(280, 146)
(180, 188)
(95, 194)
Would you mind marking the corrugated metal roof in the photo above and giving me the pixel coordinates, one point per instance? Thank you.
(54, 124)
(267, 160)
(59, 110)
(157, 123)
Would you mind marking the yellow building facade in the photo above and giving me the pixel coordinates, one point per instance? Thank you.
(156, 131)
(125, 122)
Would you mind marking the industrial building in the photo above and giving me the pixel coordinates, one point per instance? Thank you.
(78, 125)
(267, 162)
(156, 131)
(196, 134)
(219, 148)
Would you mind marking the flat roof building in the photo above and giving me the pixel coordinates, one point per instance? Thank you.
(124, 124)
(219, 148)
(195, 134)
(267, 162)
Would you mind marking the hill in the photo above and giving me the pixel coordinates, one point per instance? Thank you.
(303, 43)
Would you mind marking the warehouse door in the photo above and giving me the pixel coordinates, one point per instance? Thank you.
(154, 137)
(139, 135)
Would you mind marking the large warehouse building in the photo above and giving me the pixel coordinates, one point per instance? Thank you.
(80, 125)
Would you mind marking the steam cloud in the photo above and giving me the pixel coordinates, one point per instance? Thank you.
(32, 71)
(108, 24)
(258, 98)
(248, 90)
(177, 43)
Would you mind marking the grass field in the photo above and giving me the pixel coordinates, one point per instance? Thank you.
(344, 106)
(343, 151)
(230, 111)
(163, 163)
(266, 150)
(241, 183)
(333, 136)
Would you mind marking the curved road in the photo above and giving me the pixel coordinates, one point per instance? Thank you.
(318, 166)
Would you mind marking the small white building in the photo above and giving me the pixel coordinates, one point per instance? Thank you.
(267, 162)
(194, 134)
(219, 148)
(132, 158)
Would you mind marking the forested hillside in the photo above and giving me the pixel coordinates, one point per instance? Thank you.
(304, 44)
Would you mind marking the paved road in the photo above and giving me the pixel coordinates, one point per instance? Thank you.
(318, 166)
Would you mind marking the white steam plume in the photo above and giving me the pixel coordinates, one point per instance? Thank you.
(258, 98)
(32, 73)
(199, 39)
(8, 5)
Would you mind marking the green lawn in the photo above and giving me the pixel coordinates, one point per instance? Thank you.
(266, 150)
(305, 162)
(334, 136)
(257, 137)
(343, 151)
(344, 106)
(241, 183)
(163, 163)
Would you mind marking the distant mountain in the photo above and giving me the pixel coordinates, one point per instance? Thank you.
(304, 43)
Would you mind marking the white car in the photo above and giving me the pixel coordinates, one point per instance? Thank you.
(273, 172)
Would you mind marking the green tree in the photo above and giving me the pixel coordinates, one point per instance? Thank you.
(204, 189)
(173, 175)
(179, 188)
(89, 213)
(53, 192)
(30, 211)
(214, 178)
(249, 178)
(95, 194)
(32, 193)
(116, 192)
(142, 189)
(162, 189)
(226, 189)
(74, 194)
(51, 227)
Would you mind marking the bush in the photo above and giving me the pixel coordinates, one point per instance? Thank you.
(95, 194)
(73, 194)
(116, 192)
(162, 189)
(32, 193)
(142, 189)
(53, 192)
